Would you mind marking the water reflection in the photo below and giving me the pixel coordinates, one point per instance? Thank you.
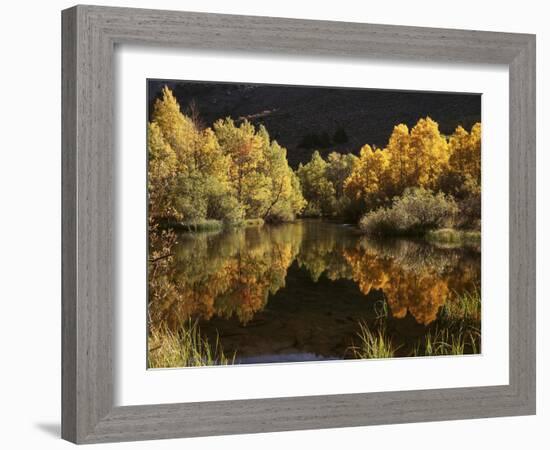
(226, 274)
(235, 274)
(416, 278)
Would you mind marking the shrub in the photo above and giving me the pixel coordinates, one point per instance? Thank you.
(417, 211)
(312, 210)
(280, 216)
(253, 222)
(226, 208)
(470, 205)
(198, 226)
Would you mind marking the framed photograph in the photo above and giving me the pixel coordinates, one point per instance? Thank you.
(278, 224)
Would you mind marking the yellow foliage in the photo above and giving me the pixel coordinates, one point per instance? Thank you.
(398, 149)
(429, 153)
(421, 157)
(177, 129)
(368, 177)
(230, 172)
(227, 172)
(162, 166)
(465, 153)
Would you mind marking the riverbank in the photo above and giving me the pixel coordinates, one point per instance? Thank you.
(457, 331)
(184, 348)
(454, 236)
(212, 225)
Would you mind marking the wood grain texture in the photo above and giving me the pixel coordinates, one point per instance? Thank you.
(89, 37)
(68, 225)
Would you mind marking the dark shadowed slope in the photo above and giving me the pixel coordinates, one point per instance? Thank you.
(306, 118)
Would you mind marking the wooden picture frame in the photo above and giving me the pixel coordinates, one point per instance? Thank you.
(90, 34)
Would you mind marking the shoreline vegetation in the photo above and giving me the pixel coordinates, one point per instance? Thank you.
(457, 333)
(184, 348)
(453, 236)
(211, 225)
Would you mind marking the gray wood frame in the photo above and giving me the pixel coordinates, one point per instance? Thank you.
(89, 36)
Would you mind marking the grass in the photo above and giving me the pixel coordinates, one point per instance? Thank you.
(253, 222)
(213, 225)
(446, 342)
(458, 331)
(454, 236)
(245, 223)
(381, 310)
(373, 344)
(465, 307)
(197, 226)
(184, 348)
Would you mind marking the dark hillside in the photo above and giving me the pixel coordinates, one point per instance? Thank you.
(307, 118)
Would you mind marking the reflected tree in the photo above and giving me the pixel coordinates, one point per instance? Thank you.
(232, 273)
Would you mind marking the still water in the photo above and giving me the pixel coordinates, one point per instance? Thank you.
(298, 291)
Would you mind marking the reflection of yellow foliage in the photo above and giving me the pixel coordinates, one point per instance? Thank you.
(420, 289)
(232, 274)
(226, 275)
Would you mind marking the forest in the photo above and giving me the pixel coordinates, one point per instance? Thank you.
(232, 226)
(233, 174)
